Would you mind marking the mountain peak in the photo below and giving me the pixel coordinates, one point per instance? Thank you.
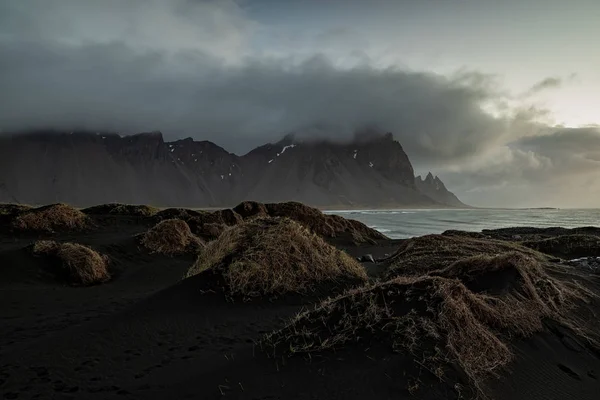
(288, 139)
(371, 171)
(433, 187)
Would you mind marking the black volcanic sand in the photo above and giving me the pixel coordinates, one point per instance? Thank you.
(148, 334)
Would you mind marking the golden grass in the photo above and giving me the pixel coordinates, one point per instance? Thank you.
(432, 252)
(176, 213)
(251, 209)
(438, 320)
(52, 218)
(171, 237)
(210, 231)
(78, 264)
(328, 226)
(226, 217)
(121, 209)
(273, 256)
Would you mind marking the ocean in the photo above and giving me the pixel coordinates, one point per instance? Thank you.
(402, 224)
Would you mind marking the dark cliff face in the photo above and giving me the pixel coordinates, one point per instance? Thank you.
(370, 171)
(90, 168)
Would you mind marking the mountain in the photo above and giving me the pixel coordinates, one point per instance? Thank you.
(434, 188)
(84, 168)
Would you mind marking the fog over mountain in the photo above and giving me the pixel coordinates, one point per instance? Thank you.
(240, 74)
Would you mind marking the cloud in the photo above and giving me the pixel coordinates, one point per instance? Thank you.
(557, 167)
(192, 93)
(217, 27)
(549, 83)
(191, 68)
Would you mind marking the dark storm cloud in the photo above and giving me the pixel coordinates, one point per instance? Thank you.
(189, 93)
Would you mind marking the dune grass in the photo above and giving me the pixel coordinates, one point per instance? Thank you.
(251, 209)
(121, 209)
(176, 213)
(171, 237)
(269, 256)
(51, 218)
(76, 263)
(210, 231)
(423, 254)
(439, 320)
(325, 225)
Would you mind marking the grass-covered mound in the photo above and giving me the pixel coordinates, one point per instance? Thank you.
(467, 234)
(121, 209)
(176, 213)
(270, 256)
(327, 226)
(226, 217)
(444, 326)
(251, 209)
(171, 237)
(207, 225)
(51, 218)
(74, 263)
(428, 253)
(567, 246)
(210, 231)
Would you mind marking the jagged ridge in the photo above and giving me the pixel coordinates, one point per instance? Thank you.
(84, 168)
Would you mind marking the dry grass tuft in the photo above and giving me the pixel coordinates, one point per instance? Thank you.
(176, 213)
(77, 264)
(273, 256)
(225, 217)
(121, 209)
(439, 320)
(251, 209)
(51, 218)
(567, 246)
(468, 234)
(210, 231)
(433, 252)
(325, 225)
(171, 236)
(204, 224)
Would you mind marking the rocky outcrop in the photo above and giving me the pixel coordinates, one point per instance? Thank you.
(84, 168)
(434, 188)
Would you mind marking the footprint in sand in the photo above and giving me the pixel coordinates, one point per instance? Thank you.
(569, 371)
(592, 374)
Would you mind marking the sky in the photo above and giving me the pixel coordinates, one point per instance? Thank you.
(501, 99)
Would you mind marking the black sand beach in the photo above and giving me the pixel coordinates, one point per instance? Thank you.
(145, 332)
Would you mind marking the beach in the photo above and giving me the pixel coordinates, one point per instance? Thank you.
(155, 327)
